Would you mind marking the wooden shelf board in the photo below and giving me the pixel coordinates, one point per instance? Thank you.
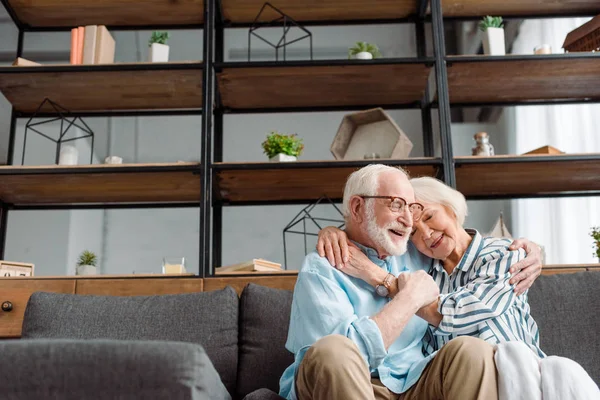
(521, 79)
(70, 13)
(102, 184)
(322, 86)
(476, 8)
(304, 181)
(245, 11)
(174, 85)
(527, 175)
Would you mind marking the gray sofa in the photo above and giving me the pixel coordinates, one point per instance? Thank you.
(174, 346)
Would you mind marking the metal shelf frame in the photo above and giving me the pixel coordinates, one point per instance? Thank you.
(429, 15)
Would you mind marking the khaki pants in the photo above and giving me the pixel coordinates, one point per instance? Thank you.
(333, 368)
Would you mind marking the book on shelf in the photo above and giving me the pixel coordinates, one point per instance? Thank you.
(92, 44)
(255, 265)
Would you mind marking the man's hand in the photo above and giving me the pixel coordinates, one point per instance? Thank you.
(418, 287)
(528, 269)
(333, 244)
(416, 290)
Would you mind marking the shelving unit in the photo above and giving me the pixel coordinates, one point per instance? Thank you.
(24, 186)
(517, 79)
(48, 15)
(182, 88)
(110, 87)
(120, 89)
(306, 86)
(243, 12)
(299, 182)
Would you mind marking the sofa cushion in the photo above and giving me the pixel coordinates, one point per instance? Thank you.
(264, 323)
(567, 310)
(107, 369)
(209, 319)
(263, 394)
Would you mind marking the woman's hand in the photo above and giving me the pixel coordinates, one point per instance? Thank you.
(528, 269)
(333, 244)
(359, 266)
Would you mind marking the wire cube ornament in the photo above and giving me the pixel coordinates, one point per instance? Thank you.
(67, 122)
(287, 22)
(305, 216)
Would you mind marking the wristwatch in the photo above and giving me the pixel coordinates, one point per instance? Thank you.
(383, 289)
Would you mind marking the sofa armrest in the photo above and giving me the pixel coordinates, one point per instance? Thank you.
(263, 394)
(107, 369)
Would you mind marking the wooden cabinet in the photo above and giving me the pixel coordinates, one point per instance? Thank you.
(14, 295)
(138, 286)
(286, 282)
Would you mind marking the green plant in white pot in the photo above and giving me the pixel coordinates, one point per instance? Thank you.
(280, 147)
(493, 36)
(86, 263)
(159, 50)
(364, 51)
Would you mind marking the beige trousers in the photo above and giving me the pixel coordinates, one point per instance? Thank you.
(333, 368)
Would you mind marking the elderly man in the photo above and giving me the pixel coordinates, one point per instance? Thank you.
(351, 341)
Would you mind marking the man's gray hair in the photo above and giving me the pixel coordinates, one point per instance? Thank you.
(364, 182)
(431, 190)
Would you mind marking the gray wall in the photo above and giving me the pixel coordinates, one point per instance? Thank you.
(131, 241)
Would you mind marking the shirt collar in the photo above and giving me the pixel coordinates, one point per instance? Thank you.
(371, 253)
(472, 252)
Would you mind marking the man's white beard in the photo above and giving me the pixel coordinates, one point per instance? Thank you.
(381, 236)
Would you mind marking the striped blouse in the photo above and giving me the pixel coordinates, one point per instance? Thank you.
(477, 300)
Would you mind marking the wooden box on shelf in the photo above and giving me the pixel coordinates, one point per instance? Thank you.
(546, 150)
(13, 268)
(584, 38)
(370, 134)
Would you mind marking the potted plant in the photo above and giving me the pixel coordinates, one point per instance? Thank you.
(364, 51)
(279, 147)
(493, 39)
(86, 264)
(159, 51)
(595, 234)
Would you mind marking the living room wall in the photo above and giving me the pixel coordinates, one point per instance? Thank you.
(136, 240)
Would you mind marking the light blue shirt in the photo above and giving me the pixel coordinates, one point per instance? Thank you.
(327, 301)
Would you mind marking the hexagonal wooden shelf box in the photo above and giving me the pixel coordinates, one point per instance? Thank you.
(370, 134)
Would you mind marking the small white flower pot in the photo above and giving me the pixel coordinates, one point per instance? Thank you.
(158, 53)
(282, 158)
(364, 55)
(85, 270)
(493, 42)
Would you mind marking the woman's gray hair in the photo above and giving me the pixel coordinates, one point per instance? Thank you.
(431, 190)
(364, 182)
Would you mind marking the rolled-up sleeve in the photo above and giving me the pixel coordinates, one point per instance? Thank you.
(487, 296)
(322, 307)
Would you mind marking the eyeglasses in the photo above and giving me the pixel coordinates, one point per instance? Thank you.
(397, 204)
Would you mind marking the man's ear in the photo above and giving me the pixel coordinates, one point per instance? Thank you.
(357, 206)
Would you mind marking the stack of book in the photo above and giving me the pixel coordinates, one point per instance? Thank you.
(257, 265)
(92, 44)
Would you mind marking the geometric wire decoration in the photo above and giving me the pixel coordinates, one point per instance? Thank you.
(288, 23)
(66, 122)
(302, 217)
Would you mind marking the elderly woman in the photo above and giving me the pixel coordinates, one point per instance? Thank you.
(472, 272)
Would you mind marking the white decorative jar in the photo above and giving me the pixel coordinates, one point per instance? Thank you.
(85, 270)
(158, 53)
(364, 55)
(68, 156)
(493, 42)
(282, 158)
(113, 160)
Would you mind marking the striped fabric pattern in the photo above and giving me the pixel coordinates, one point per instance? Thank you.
(477, 300)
